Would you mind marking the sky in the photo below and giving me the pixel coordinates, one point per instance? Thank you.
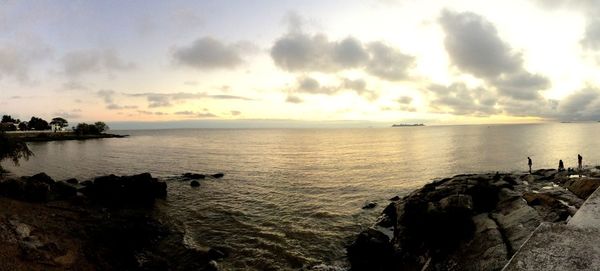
(300, 63)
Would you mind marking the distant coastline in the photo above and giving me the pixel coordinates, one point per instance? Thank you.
(45, 136)
(408, 125)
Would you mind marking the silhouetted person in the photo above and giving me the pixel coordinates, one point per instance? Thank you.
(561, 166)
(579, 161)
(529, 164)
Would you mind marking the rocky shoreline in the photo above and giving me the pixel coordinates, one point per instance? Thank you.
(58, 136)
(107, 223)
(469, 221)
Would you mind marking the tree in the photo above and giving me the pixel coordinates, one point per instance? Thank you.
(101, 127)
(13, 150)
(8, 118)
(23, 126)
(38, 124)
(60, 122)
(7, 127)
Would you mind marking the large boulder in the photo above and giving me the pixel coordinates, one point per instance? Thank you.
(36, 190)
(63, 190)
(133, 191)
(584, 187)
(42, 177)
(371, 250)
(486, 251)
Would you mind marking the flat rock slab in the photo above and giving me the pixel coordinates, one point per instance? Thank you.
(559, 247)
(588, 215)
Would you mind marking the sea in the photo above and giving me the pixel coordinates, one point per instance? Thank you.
(292, 199)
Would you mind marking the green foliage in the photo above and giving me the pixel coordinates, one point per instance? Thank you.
(90, 129)
(8, 118)
(23, 126)
(60, 122)
(13, 149)
(38, 124)
(101, 126)
(7, 127)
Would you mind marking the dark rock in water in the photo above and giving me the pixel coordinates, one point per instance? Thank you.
(388, 217)
(42, 177)
(371, 250)
(131, 191)
(72, 181)
(370, 205)
(215, 254)
(218, 175)
(194, 176)
(194, 184)
(395, 198)
(63, 190)
(583, 187)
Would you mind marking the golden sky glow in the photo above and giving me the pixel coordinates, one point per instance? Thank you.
(375, 61)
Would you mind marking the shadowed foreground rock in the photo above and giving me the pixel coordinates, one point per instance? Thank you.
(468, 222)
(106, 224)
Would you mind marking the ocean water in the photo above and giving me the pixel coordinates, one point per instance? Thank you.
(292, 198)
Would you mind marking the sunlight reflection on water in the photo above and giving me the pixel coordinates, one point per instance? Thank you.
(293, 197)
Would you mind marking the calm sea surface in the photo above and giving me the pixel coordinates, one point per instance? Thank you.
(292, 198)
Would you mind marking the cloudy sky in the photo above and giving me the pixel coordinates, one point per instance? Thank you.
(381, 61)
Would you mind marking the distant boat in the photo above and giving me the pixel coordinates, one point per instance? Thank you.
(408, 125)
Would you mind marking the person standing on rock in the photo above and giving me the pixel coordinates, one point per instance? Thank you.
(529, 164)
(579, 162)
(561, 165)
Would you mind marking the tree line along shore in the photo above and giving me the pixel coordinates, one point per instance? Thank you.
(38, 129)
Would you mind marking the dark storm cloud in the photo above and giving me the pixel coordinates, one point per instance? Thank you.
(301, 52)
(474, 47)
(168, 99)
(388, 63)
(521, 86)
(312, 86)
(360, 87)
(77, 63)
(459, 99)
(309, 85)
(581, 105)
(209, 53)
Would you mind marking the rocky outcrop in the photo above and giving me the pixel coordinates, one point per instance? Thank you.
(50, 225)
(467, 222)
(117, 191)
(111, 191)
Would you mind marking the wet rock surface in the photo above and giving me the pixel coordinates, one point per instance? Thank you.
(107, 223)
(469, 221)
